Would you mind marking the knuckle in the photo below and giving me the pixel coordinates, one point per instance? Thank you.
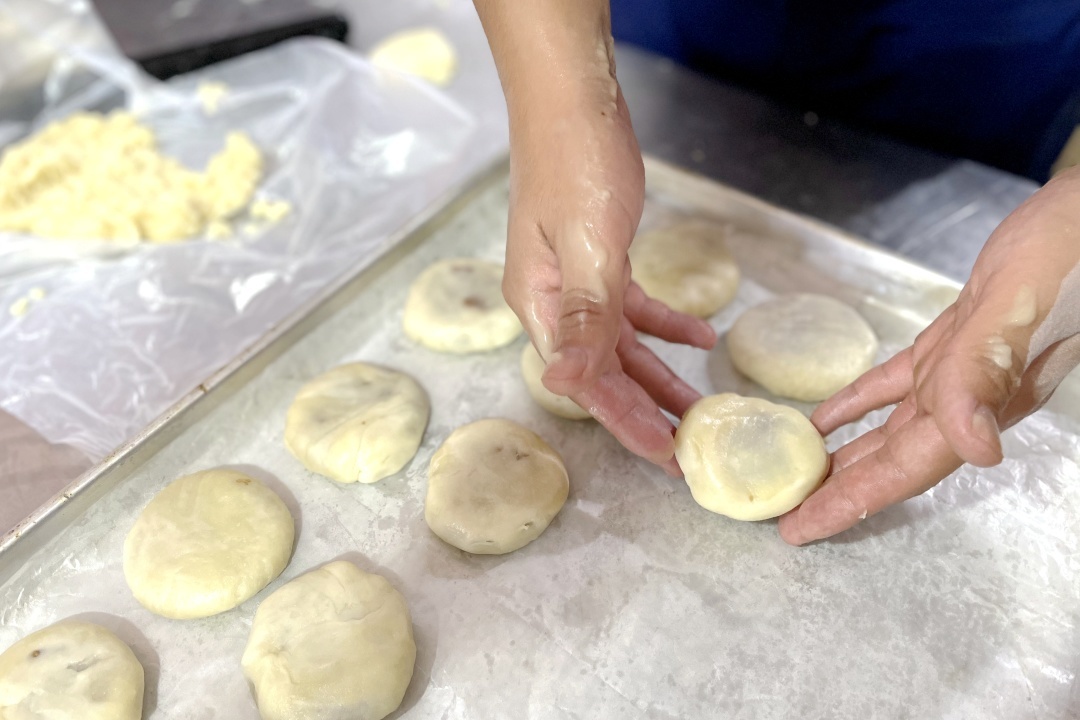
(581, 308)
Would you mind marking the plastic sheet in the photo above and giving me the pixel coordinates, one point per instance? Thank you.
(635, 603)
(121, 333)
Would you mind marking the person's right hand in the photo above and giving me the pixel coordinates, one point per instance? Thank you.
(576, 193)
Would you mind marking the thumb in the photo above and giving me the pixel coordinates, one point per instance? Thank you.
(979, 373)
(595, 274)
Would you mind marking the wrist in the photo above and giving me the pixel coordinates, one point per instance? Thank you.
(555, 58)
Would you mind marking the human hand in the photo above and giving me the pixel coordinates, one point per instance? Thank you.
(993, 357)
(576, 193)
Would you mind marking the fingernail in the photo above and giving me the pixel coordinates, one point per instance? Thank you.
(984, 425)
(707, 335)
(789, 529)
(566, 363)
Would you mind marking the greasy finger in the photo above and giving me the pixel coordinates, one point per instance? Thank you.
(665, 387)
(655, 318)
(911, 461)
(879, 386)
(626, 410)
(595, 273)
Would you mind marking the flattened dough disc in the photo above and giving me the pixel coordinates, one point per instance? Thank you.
(802, 346)
(748, 458)
(532, 369)
(70, 671)
(206, 543)
(686, 266)
(334, 644)
(357, 423)
(493, 487)
(456, 306)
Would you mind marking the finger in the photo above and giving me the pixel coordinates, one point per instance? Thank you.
(626, 410)
(871, 440)
(671, 467)
(911, 461)
(968, 389)
(879, 386)
(665, 387)
(657, 319)
(595, 273)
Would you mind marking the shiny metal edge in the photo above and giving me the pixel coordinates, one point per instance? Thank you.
(60, 511)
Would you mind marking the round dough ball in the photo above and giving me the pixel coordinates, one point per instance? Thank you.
(334, 643)
(532, 369)
(71, 671)
(207, 543)
(748, 458)
(686, 267)
(456, 306)
(493, 487)
(357, 423)
(804, 347)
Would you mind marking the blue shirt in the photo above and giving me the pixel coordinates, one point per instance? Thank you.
(994, 80)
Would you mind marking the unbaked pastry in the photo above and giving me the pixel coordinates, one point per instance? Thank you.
(802, 346)
(206, 543)
(70, 671)
(98, 177)
(493, 487)
(357, 423)
(748, 458)
(334, 644)
(686, 266)
(532, 370)
(456, 306)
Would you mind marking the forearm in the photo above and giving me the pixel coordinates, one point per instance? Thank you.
(551, 54)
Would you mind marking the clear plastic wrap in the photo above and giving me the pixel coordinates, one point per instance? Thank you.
(119, 333)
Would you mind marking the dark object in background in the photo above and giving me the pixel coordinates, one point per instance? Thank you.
(184, 60)
(169, 37)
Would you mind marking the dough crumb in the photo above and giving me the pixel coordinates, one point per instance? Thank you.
(36, 293)
(102, 177)
(210, 95)
(218, 230)
(423, 52)
(20, 307)
(272, 211)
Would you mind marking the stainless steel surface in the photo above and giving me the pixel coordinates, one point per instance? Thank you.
(636, 603)
(937, 211)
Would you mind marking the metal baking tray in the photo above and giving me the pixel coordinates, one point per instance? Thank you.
(635, 603)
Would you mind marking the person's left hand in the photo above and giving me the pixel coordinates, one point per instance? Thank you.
(992, 358)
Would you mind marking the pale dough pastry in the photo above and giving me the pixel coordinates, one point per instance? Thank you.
(357, 423)
(334, 644)
(686, 266)
(493, 487)
(206, 543)
(98, 177)
(456, 306)
(423, 52)
(748, 458)
(802, 346)
(70, 671)
(532, 369)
